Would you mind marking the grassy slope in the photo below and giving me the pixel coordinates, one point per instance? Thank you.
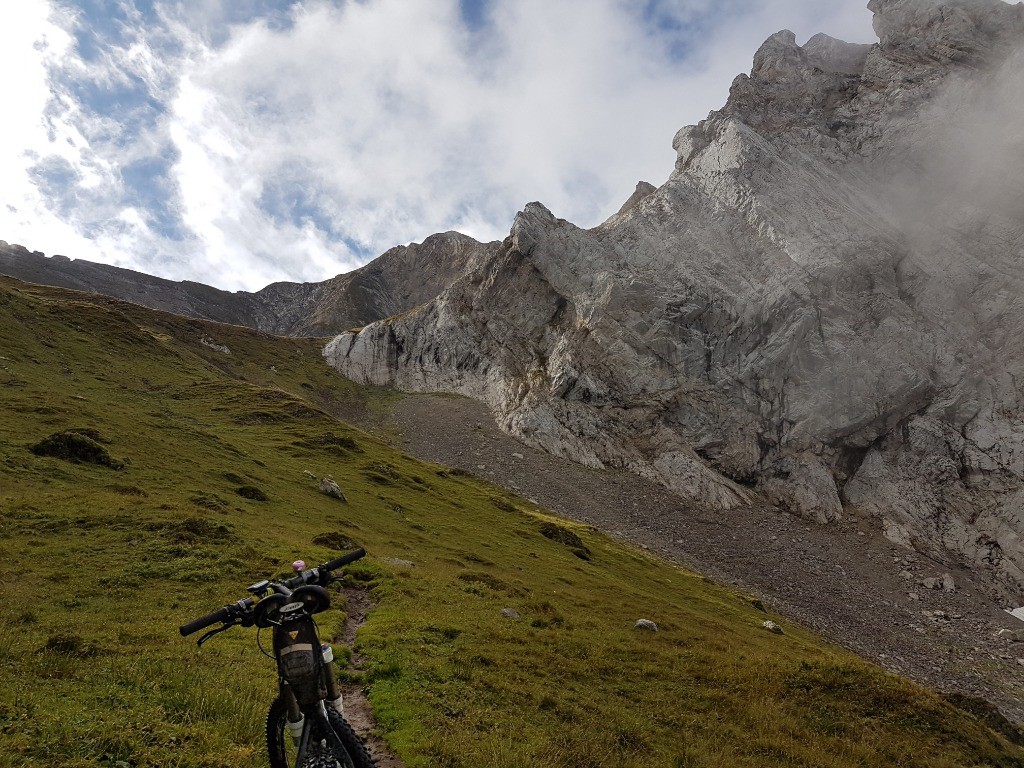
(100, 567)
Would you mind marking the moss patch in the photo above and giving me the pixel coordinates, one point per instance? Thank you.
(76, 446)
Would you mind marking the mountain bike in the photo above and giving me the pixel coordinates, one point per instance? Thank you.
(306, 727)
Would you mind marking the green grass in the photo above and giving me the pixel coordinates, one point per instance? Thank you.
(102, 564)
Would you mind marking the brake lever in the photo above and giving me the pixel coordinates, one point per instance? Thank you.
(212, 632)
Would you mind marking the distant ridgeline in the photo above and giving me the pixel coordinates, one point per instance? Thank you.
(398, 280)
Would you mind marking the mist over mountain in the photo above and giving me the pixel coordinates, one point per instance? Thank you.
(822, 306)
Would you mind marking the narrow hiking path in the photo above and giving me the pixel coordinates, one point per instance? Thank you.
(357, 708)
(844, 580)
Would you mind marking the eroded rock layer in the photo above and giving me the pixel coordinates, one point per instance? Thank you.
(823, 306)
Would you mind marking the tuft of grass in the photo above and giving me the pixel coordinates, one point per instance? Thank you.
(336, 541)
(76, 446)
(251, 492)
(563, 535)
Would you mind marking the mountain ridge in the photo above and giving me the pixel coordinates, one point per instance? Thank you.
(820, 308)
(397, 280)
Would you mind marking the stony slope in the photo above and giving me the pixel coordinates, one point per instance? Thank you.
(400, 279)
(822, 306)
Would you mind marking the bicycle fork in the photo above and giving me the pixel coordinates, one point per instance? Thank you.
(332, 696)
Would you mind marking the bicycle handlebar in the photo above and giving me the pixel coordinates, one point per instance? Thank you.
(236, 610)
(351, 557)
(221, 614)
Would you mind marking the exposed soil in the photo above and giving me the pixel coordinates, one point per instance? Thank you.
(844, 580)
(357, 708)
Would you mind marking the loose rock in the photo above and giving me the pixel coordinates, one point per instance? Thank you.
(948, 585)
(771, 626)
(331, 488)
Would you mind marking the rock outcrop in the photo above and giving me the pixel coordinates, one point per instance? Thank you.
(400, 279)
(823, 306)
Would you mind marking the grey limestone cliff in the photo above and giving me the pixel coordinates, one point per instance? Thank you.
(822, 307)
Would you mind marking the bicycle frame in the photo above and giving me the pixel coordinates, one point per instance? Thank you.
(304, 677)
(308, 710)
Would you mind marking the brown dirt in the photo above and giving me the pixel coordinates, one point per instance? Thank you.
(843, 580)
(357, 707)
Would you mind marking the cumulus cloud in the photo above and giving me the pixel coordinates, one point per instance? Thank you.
(244, 142)
(29, 42)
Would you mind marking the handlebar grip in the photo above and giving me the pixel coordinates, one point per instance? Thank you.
(221, 614)
(351, 557)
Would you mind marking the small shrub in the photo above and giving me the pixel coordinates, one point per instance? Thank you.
(193, 529)
(335, 540)
(568, 538)
(251, 492)
(207, 501)
(231, 477)
(331, 442)
(502, 504)
(77, 447)
(483, 578)
(129, 490)
(361, 574)
(69, 644)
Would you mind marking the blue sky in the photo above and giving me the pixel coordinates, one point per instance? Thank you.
(241, 142)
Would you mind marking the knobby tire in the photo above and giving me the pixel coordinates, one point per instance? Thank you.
(278, 741)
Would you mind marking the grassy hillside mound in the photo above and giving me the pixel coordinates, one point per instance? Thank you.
(172, 475)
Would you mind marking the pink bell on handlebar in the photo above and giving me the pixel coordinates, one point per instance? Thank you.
(299, 566)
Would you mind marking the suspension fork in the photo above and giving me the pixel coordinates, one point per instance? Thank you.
(291, 703)
(333, 698)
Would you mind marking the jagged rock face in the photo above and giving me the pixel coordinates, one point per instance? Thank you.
(400, 279)
(823, 305)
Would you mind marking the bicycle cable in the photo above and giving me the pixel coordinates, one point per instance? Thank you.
(260, 645)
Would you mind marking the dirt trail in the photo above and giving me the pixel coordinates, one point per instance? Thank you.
(357, 708)
(844, 580)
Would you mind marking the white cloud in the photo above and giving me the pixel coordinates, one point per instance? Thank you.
(303, 148)
(29, 41)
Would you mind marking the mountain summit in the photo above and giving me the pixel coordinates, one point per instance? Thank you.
(822, 306)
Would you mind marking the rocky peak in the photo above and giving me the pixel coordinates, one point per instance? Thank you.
(945, 29)
(642, 191)
(780, 58)
(838, 56)
(814, 310)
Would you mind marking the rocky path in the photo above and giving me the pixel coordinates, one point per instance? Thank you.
(357, 708)
(845, 580)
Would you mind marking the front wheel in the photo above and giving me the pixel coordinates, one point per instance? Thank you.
(314, 749)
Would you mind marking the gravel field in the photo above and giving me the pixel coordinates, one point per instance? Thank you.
(845, 580)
